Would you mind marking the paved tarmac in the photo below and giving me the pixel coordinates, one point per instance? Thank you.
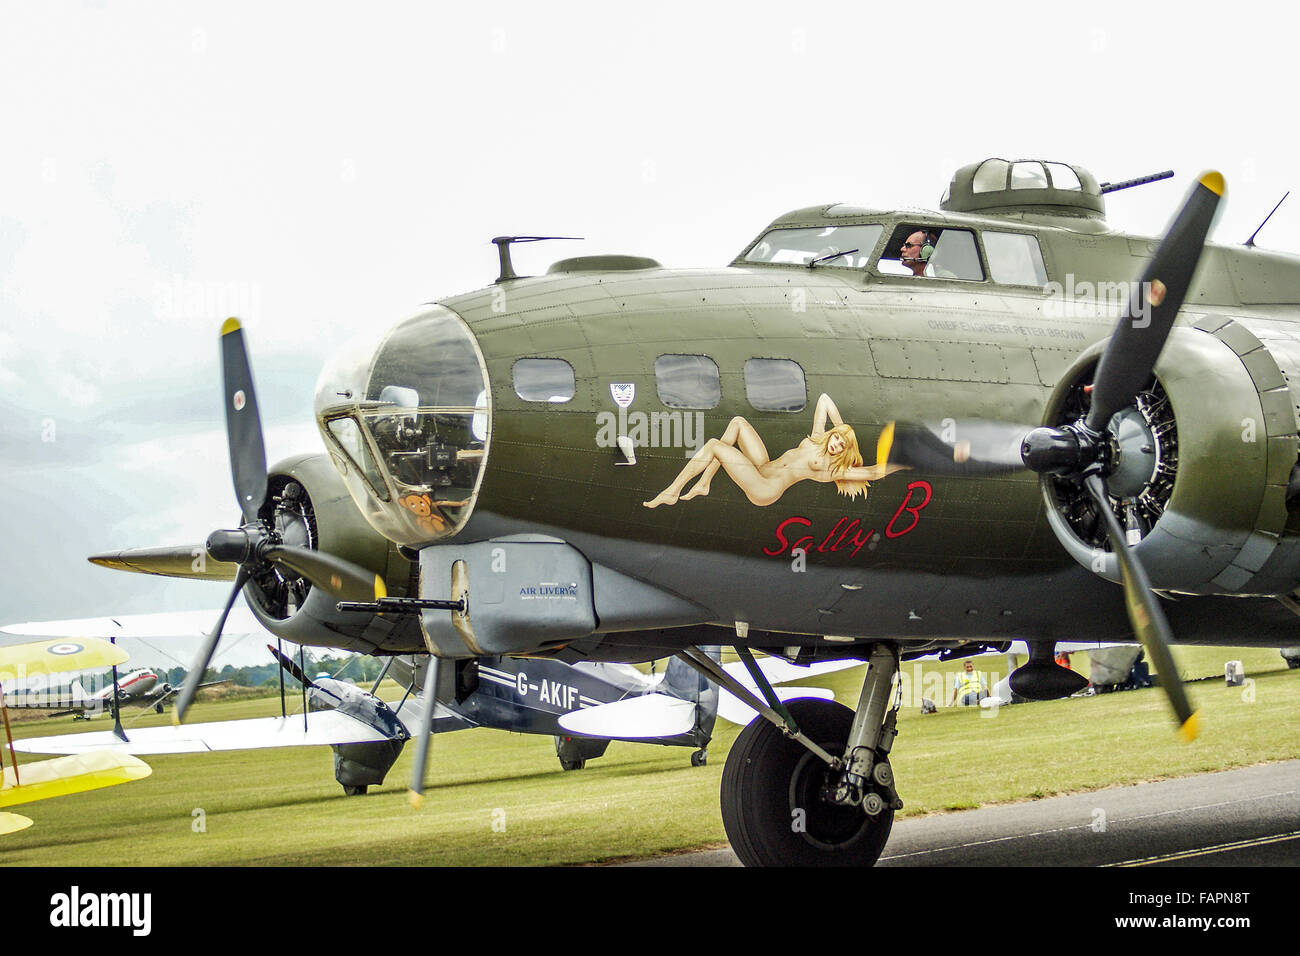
(1245, 817)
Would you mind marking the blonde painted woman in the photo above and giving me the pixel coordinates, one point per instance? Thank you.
(825, 455)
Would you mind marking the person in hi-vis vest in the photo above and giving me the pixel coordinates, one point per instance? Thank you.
(970, 687)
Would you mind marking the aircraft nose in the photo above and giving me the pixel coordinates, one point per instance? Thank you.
(408, 424)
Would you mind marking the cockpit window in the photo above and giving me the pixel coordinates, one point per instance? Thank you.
(801, 246)
(931, 252)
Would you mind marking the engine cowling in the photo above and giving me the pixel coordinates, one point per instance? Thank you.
(308, 504)
(1203, 465)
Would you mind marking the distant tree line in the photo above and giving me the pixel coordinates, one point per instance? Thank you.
(359, 668)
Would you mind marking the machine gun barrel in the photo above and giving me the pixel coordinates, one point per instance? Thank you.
(1140, 181)
(396, 605)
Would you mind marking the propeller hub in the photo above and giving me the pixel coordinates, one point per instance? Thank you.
(1135, 454)
(240, 546)
(1069, 450)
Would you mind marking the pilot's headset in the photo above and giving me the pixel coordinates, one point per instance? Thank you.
(927, 247)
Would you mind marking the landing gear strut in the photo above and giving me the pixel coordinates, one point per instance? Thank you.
(784, 803)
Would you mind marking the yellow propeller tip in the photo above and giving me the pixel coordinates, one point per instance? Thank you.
(380, 590)
(1190, 729)
(416, 800)
(884, 444)
(1213, 181)
(230, 325)
(176, 720)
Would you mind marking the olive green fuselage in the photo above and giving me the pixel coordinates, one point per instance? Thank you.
(921, 554)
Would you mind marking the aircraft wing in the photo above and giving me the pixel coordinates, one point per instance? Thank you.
(18, 661)
(778, 671)
(72, 774)
(323, 728)
(633, 718)
(161, 624)
(730, 707)
(444, 718)
(13, 822)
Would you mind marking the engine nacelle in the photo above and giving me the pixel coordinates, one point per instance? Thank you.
(1204, 465)
(308, 504)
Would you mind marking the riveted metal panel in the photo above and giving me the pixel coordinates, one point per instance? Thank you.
(1256, 551)
(1281, 458)
(1238, 338)
(1279, 413)
(1272, 510)
(1232, 578)
(943, 361)
(1211, 323)
(1052, 364)
(1263, 369)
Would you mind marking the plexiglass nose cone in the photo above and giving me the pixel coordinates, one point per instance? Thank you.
(408, 424)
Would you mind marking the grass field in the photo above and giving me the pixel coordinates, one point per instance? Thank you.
(498, 798)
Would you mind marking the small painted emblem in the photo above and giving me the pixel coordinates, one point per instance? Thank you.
(65, 649)
(623, 394)
(238, 400)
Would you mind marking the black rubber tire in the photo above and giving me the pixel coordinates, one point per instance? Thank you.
(699, 758)
(572, 764)
(768, 777)
(357, 791)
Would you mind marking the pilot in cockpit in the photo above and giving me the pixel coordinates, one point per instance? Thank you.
(916, 251)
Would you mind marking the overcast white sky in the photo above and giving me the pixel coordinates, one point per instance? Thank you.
(322, 169)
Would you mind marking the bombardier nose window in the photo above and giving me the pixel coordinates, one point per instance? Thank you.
(413, 427)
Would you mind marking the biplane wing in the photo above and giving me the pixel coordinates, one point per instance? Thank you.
(255, 733)
(63, 775)
(75, 773)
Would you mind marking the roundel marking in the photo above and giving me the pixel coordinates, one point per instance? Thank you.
(66, 648)
(238, 401)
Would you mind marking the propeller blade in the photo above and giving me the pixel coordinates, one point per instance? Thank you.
(959, 447)
(195, 676)
(424, 732)
(293, 669)
(343, 579)
(1131, 354)
(117, 708)
(1144, 612)
(243, 422)
(183, 561)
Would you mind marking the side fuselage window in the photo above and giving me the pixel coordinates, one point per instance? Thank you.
(543, 380)
(688, 381)
(1015, 258)
(775, 385)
